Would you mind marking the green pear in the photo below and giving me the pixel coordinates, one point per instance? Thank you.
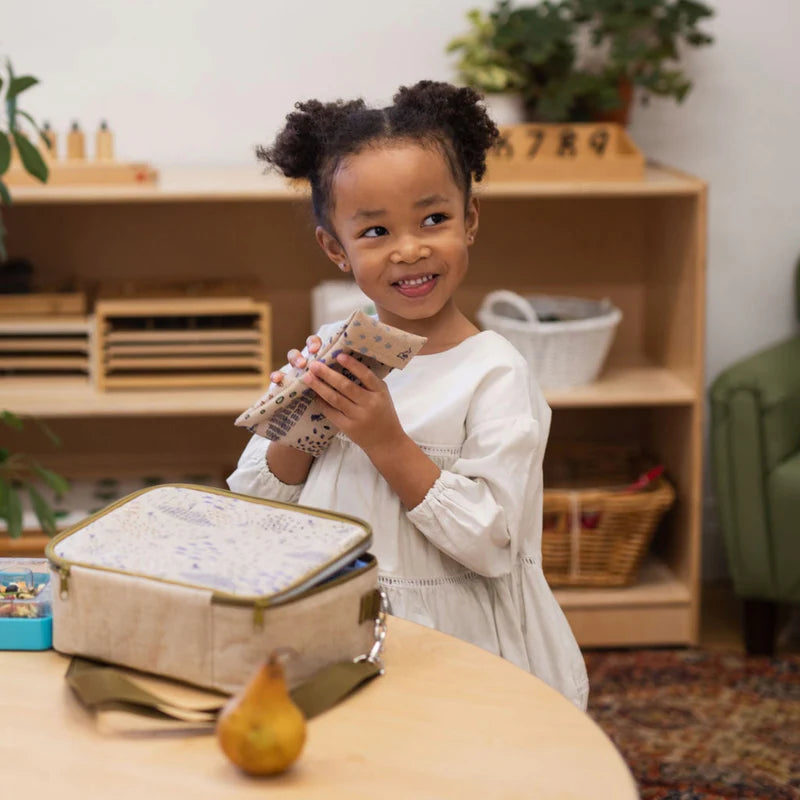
(260, 729)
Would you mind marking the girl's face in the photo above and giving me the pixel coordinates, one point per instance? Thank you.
(402, 229)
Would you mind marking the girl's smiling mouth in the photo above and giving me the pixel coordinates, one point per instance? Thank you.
(417, 285)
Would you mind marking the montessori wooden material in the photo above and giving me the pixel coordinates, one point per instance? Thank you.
(182, 341)
(76, 167)
(47, 346)
(574, 152)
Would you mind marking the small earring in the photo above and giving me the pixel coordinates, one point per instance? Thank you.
(343, 266)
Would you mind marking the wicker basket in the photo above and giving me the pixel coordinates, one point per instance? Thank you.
(598, 537)
(563, 353)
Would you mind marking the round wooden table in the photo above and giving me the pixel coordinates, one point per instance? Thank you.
(447, 720)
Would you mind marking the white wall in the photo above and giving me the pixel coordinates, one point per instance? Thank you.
(185, 82)
(203, 81)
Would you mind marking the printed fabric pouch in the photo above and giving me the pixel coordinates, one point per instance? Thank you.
(290, 413)
(201, 585)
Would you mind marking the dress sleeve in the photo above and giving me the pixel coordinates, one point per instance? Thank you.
(252, 475)
(475, 510)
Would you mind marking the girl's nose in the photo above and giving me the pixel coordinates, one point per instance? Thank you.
(410, 251)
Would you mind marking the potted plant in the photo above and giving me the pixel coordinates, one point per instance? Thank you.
(642, 42)
(14, 138)
(582, 60)
(486, 67)
(20, 474)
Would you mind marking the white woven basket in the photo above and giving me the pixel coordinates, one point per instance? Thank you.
(561, 354)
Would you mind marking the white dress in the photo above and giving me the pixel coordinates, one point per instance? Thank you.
(467, 559)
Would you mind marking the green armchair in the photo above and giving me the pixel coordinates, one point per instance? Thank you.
(755, 466)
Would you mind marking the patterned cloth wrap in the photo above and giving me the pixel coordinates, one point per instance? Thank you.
(291, 414)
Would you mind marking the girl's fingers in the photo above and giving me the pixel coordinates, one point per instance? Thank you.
(276, 377)
(328, 385)
(313, 343)
(369, 380)
(296, 358)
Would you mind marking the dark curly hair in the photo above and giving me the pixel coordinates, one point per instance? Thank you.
(317, 136)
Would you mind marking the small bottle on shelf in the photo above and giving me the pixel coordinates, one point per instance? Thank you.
(51, 151)
(104, 143)
(76, 144)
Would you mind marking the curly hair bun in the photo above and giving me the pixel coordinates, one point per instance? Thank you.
(458, 109)
(299, 148)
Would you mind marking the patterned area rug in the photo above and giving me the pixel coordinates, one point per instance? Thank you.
(695, 725)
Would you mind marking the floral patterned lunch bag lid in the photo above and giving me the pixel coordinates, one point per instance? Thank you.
(198, 584)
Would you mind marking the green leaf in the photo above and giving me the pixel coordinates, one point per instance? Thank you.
(38, 129)
(11, 419)
(20, 84)
(43, 511)
(13, 513)
(47, 431)
(5, 199)
(31, 158)
(55, 481)
(5, 152)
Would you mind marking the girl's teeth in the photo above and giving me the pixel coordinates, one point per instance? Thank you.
(417, 281)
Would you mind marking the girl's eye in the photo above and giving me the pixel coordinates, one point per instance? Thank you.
(375, 231)
(434, 219)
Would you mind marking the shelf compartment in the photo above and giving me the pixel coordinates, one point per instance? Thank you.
(628, 386)
(657, 610)
(44, 346)
(181, 342)
(78, 398)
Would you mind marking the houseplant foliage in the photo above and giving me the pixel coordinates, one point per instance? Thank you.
(14, 137)
(20, 474)
(581, 60)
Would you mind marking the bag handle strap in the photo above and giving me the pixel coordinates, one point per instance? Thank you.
(101, 687)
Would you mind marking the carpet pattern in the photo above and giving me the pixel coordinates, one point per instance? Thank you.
(695, 725)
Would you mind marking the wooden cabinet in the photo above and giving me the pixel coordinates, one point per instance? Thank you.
(641, 244)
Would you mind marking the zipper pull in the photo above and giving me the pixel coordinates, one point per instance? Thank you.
(258, 614)
(63, 584)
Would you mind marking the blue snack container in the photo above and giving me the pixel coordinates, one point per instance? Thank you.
(26, 616)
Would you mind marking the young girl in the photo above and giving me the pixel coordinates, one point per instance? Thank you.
(443, 458)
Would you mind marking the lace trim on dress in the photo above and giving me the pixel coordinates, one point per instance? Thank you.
(393, 580)
(444, 580)
(436, 452)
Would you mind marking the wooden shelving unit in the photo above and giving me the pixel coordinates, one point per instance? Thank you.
(641, 244)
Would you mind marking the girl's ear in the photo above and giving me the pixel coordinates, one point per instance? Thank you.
(471, 219)
(331, 247)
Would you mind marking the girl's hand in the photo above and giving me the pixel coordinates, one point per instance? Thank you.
(366, 412)
(296, 358)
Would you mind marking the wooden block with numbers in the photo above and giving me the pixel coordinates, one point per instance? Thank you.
(570, 152)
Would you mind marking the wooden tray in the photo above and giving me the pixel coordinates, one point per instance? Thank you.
(578, 152)
(48, 346)
(172, 342)
(42, 304)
